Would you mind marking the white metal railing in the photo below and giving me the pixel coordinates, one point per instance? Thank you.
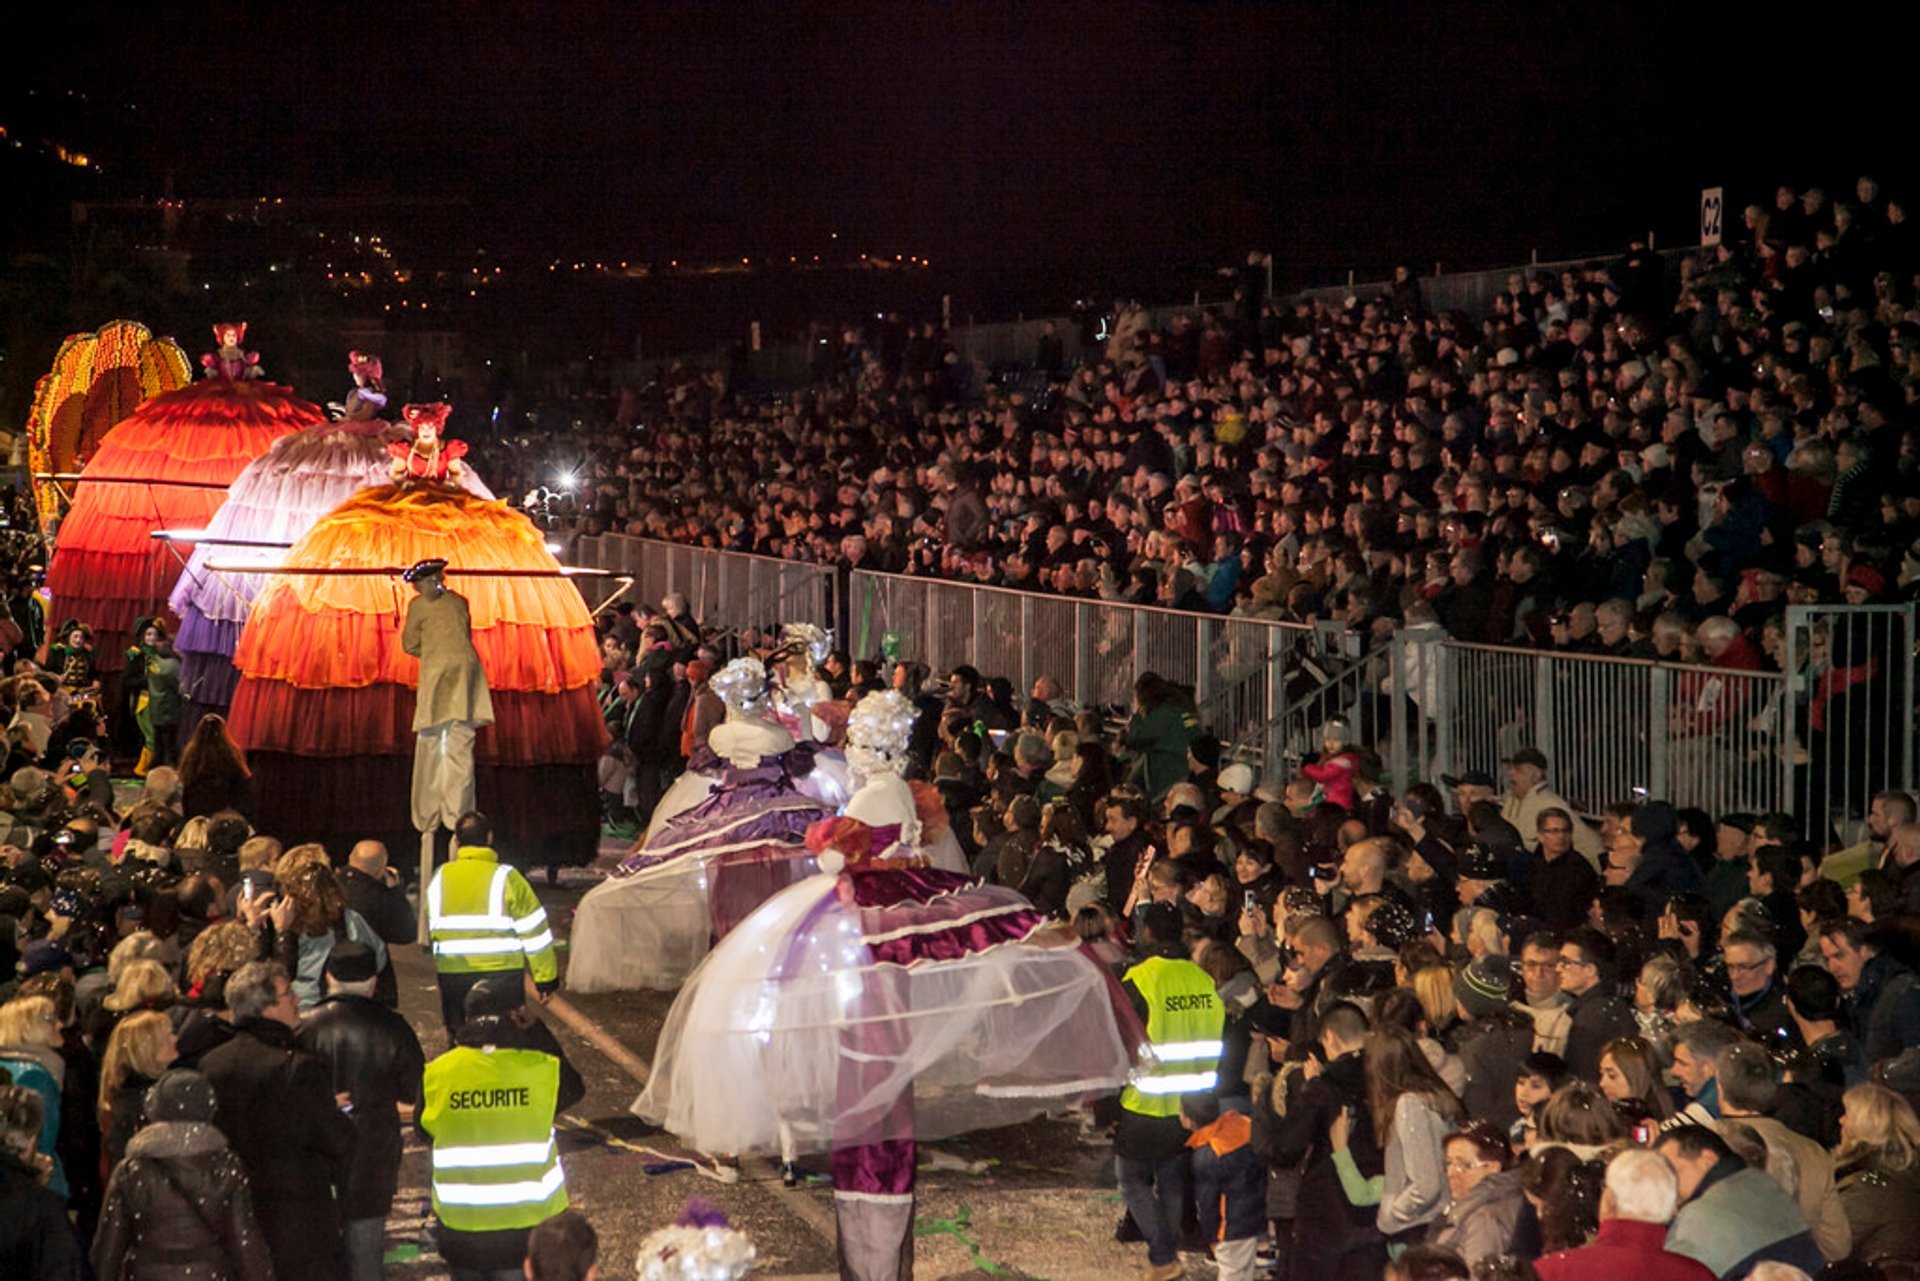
(723, 589)
(1238, 668)
(1816, 742)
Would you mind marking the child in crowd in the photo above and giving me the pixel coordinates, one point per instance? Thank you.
(1540, 1075)
(1229, 1183)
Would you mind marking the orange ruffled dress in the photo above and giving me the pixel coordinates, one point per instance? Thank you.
(108, 570)
(324, 706)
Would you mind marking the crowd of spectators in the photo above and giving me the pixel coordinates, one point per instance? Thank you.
(1611, 456)
(203, 1072)
(1462, 1021)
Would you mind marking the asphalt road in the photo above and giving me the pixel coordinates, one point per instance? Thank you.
(1025, 1201)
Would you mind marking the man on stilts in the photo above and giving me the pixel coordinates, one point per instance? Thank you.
(452, 705)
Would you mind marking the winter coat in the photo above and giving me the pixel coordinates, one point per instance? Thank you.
(1327, 1225)
(1158, 739)
(1805, 1169)
(1487, 1221)
(1879, 1205)
(1229, 1180)
(1492, 1050)
(1596, 1017)
(277, 1109)
(179, 1208)
(1415, 1191)
(375, 1057)
(126, 1113)
(1739, 1217)
(1623, 1248)
(453, 686)
(1885, 1007)
(29, 1072)
(36, 1240)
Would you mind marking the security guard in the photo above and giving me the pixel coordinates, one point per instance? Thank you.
(484, 919)
(488, 1104)
(1184, 1017)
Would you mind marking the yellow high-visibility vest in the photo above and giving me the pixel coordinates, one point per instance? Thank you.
(490, 1112)
(1185, 1017)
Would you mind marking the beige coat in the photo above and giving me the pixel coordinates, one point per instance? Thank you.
(1805, 1169)
(453, 686)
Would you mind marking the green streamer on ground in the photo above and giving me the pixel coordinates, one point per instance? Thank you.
(956, 1227)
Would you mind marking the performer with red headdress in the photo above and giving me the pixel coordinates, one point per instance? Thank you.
(879, 1003)
(427, 456)
(326, 703)
(166, 467)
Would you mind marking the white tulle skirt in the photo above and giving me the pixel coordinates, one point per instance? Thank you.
(798, 1028)
(681, 795)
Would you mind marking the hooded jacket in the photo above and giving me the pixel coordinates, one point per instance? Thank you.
(179, 1207)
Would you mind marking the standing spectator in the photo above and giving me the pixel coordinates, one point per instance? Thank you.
(1159, 734)
(1229, 1183)
(376, 1062)
(310, 920)
(1541, 997)
(1487, 1213)
(1638, 1203)
(213, 771)
(141, 1048)
(279, 1113)
(1883, 997)
(1595, 1015)
(29, 1053)
(1413, 1112)
(1328, 1125)
(1732, 1217)
(373, 890)
(1560, 883)
(564, 1248)
(1493, 1042)
(180, 1205)
(36, 1241)
(1748, 1092)
(1878, 1171)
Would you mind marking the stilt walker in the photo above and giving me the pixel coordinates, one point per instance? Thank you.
(453, 704)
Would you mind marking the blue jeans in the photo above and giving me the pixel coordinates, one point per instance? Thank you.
(1156, 1194)
(366, 1243)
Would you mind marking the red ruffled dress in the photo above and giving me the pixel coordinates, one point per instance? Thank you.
(324, 706)
(108, 570)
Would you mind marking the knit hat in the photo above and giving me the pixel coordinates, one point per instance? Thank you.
(1484, 987)
(180, 1095)
(43, 956)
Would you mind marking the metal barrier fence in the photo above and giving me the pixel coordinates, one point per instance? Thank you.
(1238, 668)
(723, 589)
(1817, 742)
(1613, 729)
(1850, 709)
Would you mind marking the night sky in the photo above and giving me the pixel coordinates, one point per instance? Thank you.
(1056, 139)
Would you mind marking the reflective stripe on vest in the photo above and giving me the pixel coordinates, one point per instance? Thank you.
(495, 1163)
(467, 933)
(1185, 1017)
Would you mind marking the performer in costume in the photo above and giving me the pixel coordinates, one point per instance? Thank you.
(452, 704)
(881, 1003)
(229, 360)
(71, 658)
(367, 402)
(428, 456)
(649, 923)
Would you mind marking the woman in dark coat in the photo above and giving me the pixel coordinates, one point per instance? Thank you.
(178, 1206)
